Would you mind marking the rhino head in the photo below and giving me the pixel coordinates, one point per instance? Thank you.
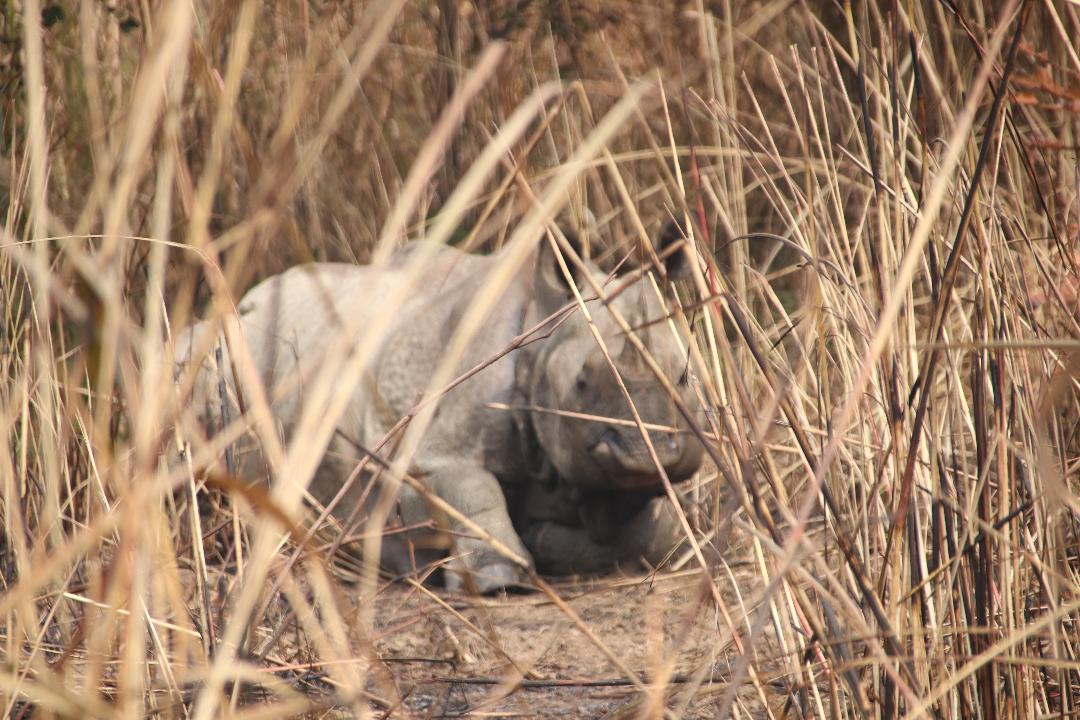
(580, 416)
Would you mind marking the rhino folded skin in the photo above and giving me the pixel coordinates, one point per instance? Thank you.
(487, 463)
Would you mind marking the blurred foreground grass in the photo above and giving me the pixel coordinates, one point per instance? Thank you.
(890, 192)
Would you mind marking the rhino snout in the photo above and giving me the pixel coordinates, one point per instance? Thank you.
(626, 460)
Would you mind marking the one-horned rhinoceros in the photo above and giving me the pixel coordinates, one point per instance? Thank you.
(537, 448)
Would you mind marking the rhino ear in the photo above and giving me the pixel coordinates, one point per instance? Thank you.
(676, 260)
(549, 276)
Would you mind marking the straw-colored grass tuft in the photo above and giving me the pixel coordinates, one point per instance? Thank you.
(886, 203)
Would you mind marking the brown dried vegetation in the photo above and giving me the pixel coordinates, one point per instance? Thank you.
(886, 206)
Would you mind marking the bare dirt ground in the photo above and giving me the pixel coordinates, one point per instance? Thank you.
(452, 656)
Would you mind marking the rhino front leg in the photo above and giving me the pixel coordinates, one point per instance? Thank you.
(563, 550)
(476, 494)
(650, 534)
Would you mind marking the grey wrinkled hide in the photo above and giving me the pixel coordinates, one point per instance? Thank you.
(574, 495)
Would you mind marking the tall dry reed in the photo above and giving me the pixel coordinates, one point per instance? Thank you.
(885, 198)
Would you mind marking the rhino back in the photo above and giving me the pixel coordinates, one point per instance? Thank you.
(292, 320)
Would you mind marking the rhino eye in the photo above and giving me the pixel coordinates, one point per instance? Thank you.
(581, 384)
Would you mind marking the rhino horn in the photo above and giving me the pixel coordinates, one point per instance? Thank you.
(624, 454)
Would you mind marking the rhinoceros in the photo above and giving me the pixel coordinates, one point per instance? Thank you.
(537, 448)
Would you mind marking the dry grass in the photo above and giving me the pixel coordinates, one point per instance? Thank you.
(888, 210)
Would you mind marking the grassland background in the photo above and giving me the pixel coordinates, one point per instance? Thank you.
(891, 384)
